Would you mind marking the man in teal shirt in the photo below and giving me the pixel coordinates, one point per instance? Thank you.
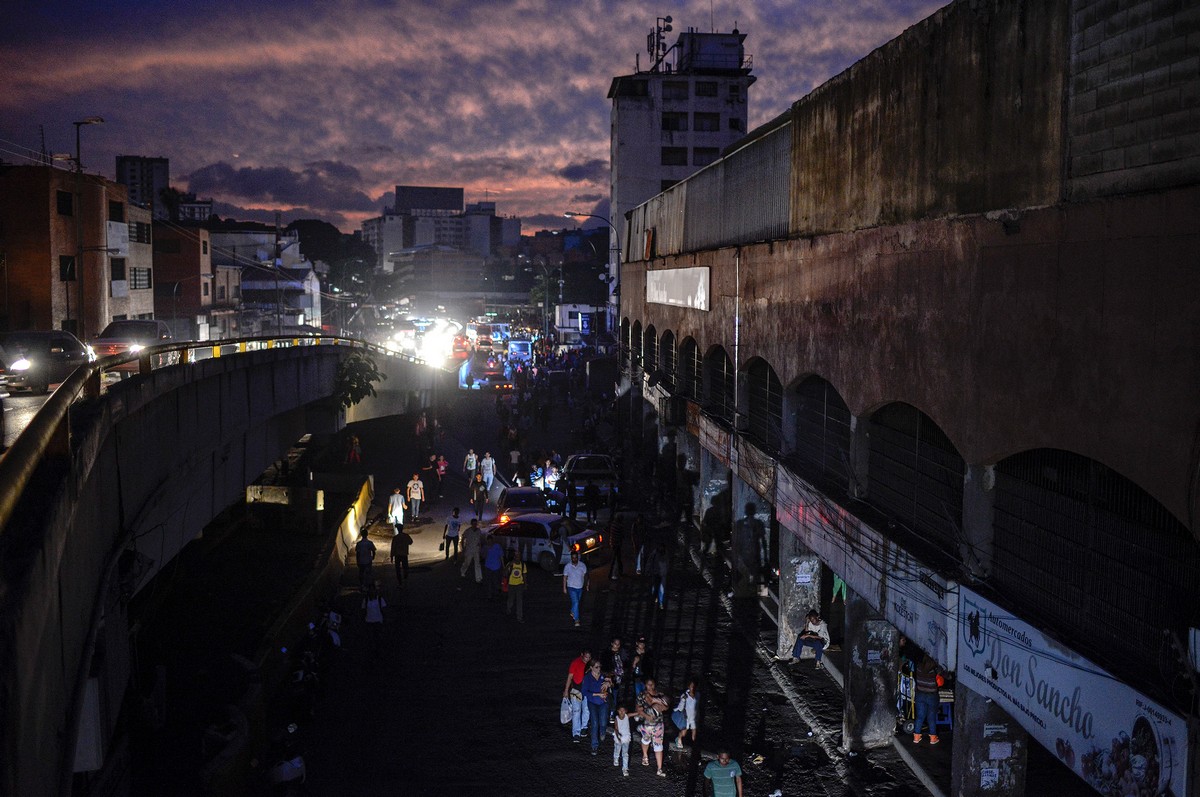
(725, 774)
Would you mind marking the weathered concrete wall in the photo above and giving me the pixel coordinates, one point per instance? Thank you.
(1073, 327)
(1134, 96)
(960, 114)
(151, 462)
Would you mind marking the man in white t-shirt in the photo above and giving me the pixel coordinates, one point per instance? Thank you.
(574, 583)
(416, 494)
(396, 510)
(487, 466)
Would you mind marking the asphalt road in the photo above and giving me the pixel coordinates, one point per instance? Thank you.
(461, 699)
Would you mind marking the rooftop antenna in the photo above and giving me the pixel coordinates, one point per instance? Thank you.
(712, 25)
(656, 42)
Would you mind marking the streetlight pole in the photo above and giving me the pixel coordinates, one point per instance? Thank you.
(80, 272)
(614, 264)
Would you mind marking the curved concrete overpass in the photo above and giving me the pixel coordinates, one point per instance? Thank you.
(115, 489)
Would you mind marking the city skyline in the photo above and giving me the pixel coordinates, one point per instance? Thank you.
(322, 112)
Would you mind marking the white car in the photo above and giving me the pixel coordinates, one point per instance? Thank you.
(547, 539)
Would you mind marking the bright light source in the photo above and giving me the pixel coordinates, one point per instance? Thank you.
(21, 365)
(135, 348)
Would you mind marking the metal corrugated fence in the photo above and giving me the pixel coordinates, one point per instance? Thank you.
(741, 198)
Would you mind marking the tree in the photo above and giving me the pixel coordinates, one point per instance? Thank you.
(355, 378)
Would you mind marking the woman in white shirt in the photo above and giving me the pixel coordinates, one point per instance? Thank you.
(687, 704)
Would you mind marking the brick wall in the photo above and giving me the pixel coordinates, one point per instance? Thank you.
(1133, 118)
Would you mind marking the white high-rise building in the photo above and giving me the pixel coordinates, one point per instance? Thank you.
(674, 118)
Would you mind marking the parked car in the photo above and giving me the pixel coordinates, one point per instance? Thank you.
(129, 336)
(35, 360)
(546, 538)
(516, 501)
(581, 468)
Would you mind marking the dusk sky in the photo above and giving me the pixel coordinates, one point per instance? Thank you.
(319, 109)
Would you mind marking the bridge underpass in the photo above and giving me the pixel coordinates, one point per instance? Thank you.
(105, 487)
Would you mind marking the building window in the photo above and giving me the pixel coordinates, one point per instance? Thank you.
(139, 232)
(237, 291)
(706, 122)
(675, 122)
(674, 156)
(220, 292)
(206, 289)
(706, 88)
(66, 203)
(66, 268)
(736, 124)
(735, 91)
(204, 247)
(116, 211)
(140, 279)
(675, 90)
(702, 156)
(116, 266)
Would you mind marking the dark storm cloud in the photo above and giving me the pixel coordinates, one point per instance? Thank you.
(588, 171)
(506, 98)
(323, 184)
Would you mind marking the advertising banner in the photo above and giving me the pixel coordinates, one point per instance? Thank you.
(756, 468)
(681, 287)
(715, 438)
(923, 605)
(852, 549)
(1113, 737)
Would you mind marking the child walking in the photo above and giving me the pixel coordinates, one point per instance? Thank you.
(621, 739)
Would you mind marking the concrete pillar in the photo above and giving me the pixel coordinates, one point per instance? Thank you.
(870, 716)
(799, 589)
(990, 747)
(979, 510)
(860, 456)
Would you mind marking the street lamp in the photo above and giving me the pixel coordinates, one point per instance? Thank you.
(79, 249)
(614, 265)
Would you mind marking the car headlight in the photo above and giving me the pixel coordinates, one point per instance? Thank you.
(21, 365)
(134, 348)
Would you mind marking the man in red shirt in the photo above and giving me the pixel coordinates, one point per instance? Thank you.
(572, 689)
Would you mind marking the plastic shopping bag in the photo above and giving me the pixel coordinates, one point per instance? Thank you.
(564, 712)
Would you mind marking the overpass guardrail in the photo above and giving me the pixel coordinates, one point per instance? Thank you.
(48, 433)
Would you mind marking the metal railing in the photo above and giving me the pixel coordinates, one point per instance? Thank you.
(47, 436)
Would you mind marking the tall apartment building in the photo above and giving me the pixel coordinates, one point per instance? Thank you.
(146, 179)
(674, 118)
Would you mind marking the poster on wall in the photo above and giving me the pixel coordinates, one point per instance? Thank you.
(1119, 741)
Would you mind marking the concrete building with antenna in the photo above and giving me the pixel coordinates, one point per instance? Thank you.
(674, 118)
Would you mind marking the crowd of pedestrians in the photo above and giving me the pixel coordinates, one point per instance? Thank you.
(615, 694)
